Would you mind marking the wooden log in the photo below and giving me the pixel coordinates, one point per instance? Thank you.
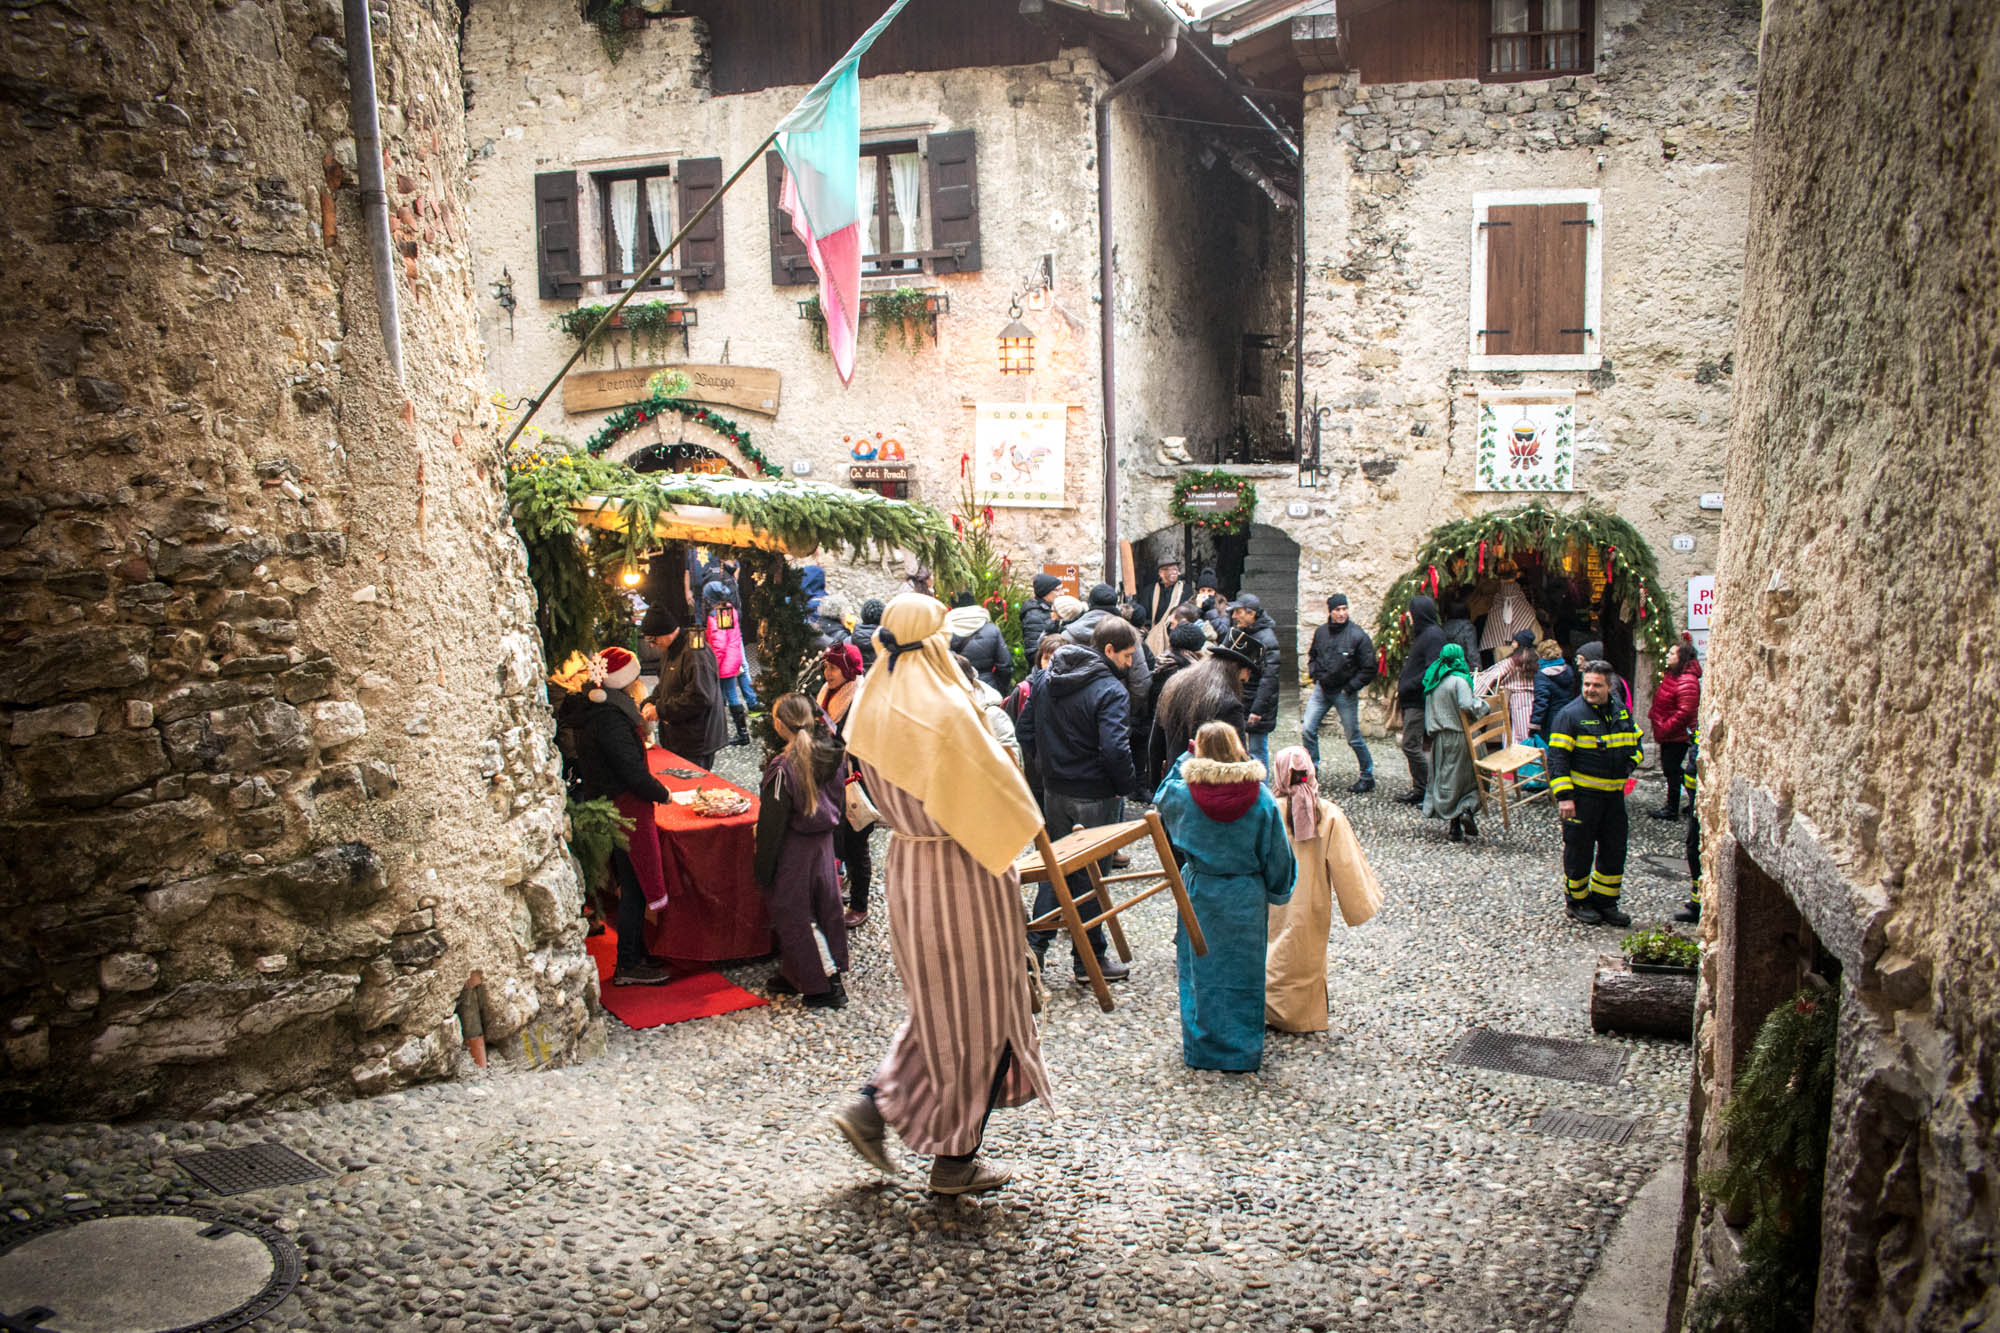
(1657, 1004)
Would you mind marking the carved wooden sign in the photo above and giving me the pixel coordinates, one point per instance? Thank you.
(859, 472)
(748, 387)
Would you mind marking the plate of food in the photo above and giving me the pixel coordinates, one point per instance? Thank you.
(719, 803)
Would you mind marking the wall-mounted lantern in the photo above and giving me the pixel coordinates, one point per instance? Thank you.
(1017, 344)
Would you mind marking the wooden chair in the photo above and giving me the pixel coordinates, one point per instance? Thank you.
(1496, 770)
(1082, 850)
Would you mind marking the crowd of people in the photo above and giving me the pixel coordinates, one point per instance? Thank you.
(927, 723)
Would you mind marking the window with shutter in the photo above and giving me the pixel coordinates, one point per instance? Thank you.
(635, 207)
(557, 264)
(1536, 280)
(954, 191)
(789, 265)
(698, 178)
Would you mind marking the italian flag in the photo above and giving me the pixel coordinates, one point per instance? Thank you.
(820, 142)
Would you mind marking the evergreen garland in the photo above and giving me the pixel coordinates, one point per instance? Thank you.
(1776, 1123)
(627, 419)
(774, 600)
(596, 829)
(1237, 520)
(1470, 549)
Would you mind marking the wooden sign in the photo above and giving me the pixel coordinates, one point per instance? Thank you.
(859, 472)
(730, 386)
(1214, 502)
(1071, 576)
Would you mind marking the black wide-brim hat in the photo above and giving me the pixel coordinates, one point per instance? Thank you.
(1241, 659)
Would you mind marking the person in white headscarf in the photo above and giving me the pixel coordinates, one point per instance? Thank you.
(1331, 868)
(958, 812)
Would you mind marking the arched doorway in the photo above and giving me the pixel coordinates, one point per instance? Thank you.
(674, 442)
(1263, 560)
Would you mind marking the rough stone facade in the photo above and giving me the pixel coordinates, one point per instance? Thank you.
(1847, 793)
(277, 776)
(1662, 130)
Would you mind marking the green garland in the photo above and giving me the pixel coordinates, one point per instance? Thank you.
(1228, 524)
(1455, 553)
(619, 423)
(652, 321)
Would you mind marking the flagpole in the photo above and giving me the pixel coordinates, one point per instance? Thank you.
(604, 321)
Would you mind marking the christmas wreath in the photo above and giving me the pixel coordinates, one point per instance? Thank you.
(1236, 520)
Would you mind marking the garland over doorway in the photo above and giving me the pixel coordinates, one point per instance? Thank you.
(1588, 543)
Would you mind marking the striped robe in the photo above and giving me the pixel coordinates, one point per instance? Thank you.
(957, 936)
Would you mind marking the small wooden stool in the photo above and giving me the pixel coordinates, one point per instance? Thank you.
(1082, 850)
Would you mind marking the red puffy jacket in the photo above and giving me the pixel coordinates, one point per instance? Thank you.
(1676, 704)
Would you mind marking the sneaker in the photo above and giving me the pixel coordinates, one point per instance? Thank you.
(1690, 914)
(641, 974)
(1114, 970)
(1362, 783)
(1608, 913)
(860, 1123)
(1584, 913)
(966, 1177)
(854, 920)
(776, 984)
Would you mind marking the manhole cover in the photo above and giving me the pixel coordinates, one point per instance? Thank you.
(257, 1167)
(1543, 1057)
(1612, 1129)
(142, 1268)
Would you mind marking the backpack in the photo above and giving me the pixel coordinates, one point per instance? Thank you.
(1016, 700)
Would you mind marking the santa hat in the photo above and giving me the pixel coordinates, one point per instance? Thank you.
(614, 668)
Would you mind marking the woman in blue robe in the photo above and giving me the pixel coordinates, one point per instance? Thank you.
(1237, 861)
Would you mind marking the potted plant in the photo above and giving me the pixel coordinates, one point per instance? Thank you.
(1660, 950)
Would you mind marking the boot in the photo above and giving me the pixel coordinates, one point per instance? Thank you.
(1471, 827)
(1582, 912)
(742, 720)
(1607, 910)
(1457, 833)
(1690, 914)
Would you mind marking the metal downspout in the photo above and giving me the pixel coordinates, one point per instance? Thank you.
(1106, 293)
(368, 161)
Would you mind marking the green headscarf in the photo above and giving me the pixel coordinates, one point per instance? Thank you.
(1450, 662)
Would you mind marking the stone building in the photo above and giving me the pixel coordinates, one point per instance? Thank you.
(1854, 825)
(277, 774)
(1603, 144)
(980, 144)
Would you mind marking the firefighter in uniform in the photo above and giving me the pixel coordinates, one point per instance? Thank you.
(1692, 912)
(1593, 748)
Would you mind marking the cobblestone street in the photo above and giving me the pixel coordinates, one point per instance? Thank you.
(686, 1176)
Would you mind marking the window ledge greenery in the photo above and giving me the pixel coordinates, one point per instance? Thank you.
(652, 322)
(900, 310)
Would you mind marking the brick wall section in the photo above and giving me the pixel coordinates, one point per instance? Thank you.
(275, 776)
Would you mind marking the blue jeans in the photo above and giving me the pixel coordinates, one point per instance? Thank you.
(736, 690)
(1258, 743)
(1347, 705)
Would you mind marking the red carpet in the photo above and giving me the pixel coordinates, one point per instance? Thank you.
(698, 996)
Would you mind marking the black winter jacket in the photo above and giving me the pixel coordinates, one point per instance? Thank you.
(1426, 641)
(1078, 724)
(1036, 618)
(1137, 676)
(688, 701)
(1555, 686)
(1593, 749)
(864, 639)
(1342, 657)
(992, 661)
(610, 760)
(1260, 643)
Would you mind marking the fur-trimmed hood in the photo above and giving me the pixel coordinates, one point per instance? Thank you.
(1223, 791)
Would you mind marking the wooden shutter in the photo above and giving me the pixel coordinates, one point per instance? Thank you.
(789, 266)
(954, 189)
(1535, 265)
(556, 260)
(696, 181)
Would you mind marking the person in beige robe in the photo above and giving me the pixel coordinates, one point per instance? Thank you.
(1331, 868)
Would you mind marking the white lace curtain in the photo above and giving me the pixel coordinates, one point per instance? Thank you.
(625, 221)
(870, 242)
(656, 211)
(903, 170)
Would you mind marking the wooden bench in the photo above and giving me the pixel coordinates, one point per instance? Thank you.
(1082, 850)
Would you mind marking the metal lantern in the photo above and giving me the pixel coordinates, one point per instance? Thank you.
(1017, 344)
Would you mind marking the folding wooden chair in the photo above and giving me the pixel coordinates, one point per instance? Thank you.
(1497, 770)
(1082, 850)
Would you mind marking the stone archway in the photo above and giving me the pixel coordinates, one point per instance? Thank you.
(1263, 560)
(679, 428)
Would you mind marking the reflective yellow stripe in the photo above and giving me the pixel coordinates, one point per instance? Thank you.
(1687, 780)
(1602, 878)
(1578, 888)
(1561, 740)
(1590, 783)
(1559, 783)
(1608, 741)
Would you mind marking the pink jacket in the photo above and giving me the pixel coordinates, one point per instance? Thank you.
(725, 640)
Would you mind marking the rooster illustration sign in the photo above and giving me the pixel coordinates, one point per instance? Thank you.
(1018, 454)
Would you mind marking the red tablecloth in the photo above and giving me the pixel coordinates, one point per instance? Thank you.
(713, 911)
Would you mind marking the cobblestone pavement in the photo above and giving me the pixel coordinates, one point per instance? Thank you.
(686, 1177)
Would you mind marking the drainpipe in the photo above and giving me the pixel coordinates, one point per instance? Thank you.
(1106, 293)
(368, 160)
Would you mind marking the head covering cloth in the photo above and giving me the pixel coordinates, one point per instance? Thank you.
(1450, 662)
(1295, 781)
(915, 722)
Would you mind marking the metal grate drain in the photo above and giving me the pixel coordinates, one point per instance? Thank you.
(257, 1167)
(1542, 1057)
(1612, 1129)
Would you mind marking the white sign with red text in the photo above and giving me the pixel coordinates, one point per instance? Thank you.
(1701, 600)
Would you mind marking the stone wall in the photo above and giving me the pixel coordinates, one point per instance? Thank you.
(1662, 131)
(276, 777)
(545, 97)
(1862, 468)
